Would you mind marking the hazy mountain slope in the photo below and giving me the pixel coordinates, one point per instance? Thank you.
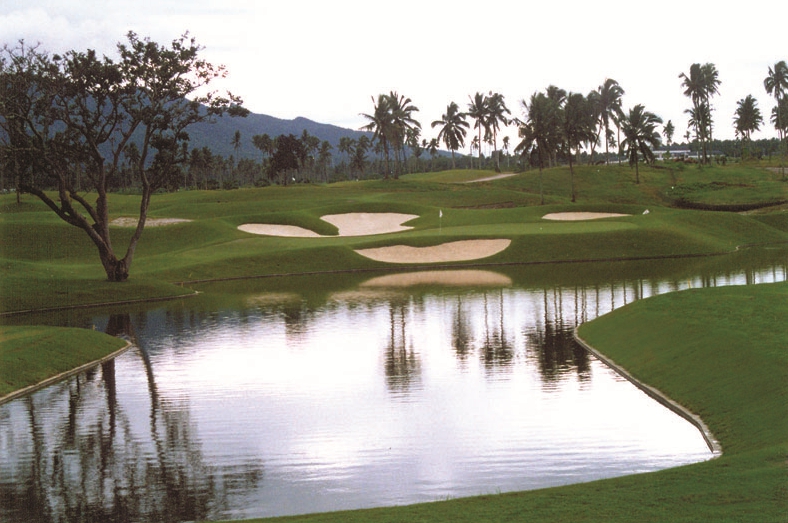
(219, 135)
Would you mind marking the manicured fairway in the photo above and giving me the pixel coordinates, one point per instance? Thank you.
(46, 263)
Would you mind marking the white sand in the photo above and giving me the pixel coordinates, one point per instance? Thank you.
(265, 229)
(150, 222)
(351, 224)
(448, 252)
(367, 223)
(448, 278)
(578, 216)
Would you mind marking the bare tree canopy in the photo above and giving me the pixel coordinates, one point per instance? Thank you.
(70, 122)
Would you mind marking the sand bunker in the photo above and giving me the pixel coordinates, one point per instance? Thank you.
(150, 222)
(290, 231)
(448, 278)
(578, 216)
(350, 224)
(367, 223)
(463, 250)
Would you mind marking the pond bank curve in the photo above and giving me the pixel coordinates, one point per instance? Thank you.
(708, 437)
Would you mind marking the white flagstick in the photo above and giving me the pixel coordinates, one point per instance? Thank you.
(440, 221)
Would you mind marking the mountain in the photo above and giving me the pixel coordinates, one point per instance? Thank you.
(219, 135)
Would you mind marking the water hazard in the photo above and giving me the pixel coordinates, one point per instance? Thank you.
(310, 395)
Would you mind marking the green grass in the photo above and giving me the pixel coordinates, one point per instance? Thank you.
(721, 351)
(29, 355)
(47, 263)
(716, 351)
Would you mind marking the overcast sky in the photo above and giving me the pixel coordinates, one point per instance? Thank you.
(324, 59)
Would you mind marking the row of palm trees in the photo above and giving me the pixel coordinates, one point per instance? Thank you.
(700, 85)
(393, 125)
(748, 118)
(559, 122)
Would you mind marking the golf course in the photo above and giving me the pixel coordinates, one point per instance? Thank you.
(436, 221)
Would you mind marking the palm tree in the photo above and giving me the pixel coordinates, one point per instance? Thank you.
(557, 98)
(265, 145)
(359, 155)
(668, 132)
(693, 88)
(538, 130)
(700, 85)
(496, 115)
(236, 143)
(577, 125)
(432, 148)
(747, 117)
(412, 136)
(346, 146)
(779, 116)
(711, 84)
(640, 134)
(324, 157)
(401, 111)
(381, 125)
(776, 84)
(453, 129)
(477, 110)
(609, 100)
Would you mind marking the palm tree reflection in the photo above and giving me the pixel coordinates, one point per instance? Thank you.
(497, 349)
(402, 366)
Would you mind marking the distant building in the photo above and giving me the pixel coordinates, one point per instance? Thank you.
(674, 154)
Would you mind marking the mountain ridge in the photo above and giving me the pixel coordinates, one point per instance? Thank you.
(218, 135)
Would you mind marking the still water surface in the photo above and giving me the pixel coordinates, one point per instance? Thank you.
(386, 391)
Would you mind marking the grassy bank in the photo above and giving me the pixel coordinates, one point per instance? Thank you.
(720, 352)
(47, 263)
(30, 355)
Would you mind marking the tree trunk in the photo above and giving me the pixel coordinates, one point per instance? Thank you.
(117, 270)
(572, 174)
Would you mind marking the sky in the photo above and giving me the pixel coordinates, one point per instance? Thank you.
(325, 60)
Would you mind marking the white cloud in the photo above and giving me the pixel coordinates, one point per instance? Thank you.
(324, 60)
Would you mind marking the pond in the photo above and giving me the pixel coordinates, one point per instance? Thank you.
(310, 394)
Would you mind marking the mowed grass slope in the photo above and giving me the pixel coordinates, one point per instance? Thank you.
(29, 355)
(47, 263)
(722, 353)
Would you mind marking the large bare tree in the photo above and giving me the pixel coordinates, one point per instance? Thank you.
(69, 119)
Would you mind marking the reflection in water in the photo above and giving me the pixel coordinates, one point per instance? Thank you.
(377, 395)
(81, 454)
(402, 362)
